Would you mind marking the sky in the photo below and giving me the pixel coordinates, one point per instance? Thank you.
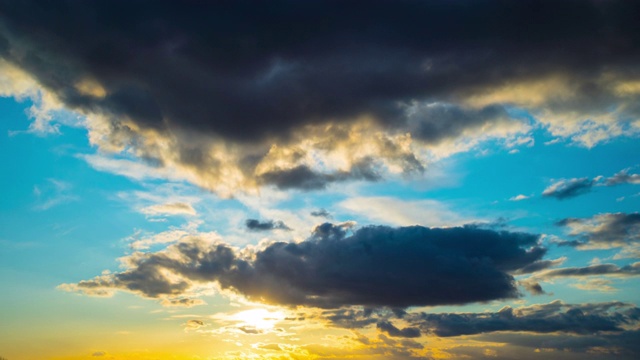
(319, 180)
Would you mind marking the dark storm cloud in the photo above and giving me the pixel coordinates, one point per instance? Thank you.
(565, 189)
(603, 230)
(256, 225)
(375, 266)
(391, 330)
(583, 319)
(250, 70)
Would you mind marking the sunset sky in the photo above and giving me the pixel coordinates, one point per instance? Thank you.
(319, 179)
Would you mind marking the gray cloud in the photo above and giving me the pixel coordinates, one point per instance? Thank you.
(304, 178)
(540, 265)
(256, 225)
(583, 319)
(565, 189)
(391, 330)
(333, 269)
(603, 230)
(591, 270)
(321, 213)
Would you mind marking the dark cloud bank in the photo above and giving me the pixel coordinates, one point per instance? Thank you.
(257, 72)
(375, 266)
(251, 69)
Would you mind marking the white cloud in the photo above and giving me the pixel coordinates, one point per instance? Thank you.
(519, 197)
(175, 208)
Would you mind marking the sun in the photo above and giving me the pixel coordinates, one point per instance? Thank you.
(261, 319)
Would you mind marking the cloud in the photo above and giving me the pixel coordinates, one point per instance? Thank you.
(532, 287)
(623, 177)
(583, 319)
(176, 208)
(332, 269)
(256, 225)
(393, 331)
(194, 325)
(53, 193)
(360, 98)
(603, 231)
(591, 270)
(540, 265)
(519, 197)
(601, 285)
(182, 302)
(565, 189)
(619, 345)
(321, 213)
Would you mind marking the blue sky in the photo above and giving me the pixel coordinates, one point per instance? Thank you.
(344, 190)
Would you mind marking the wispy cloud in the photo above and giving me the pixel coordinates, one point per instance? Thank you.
(392, 211)
(53, 193)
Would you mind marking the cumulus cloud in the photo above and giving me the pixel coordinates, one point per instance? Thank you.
(333, 269)
(230, 107)
(257, 225)
(603, 231)
(583, 319)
